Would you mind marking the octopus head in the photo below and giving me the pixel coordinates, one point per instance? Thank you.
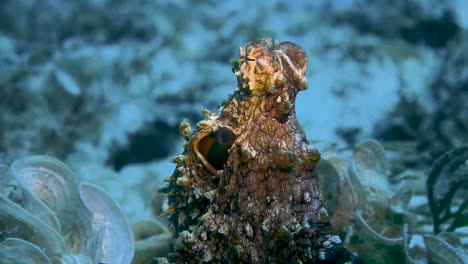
(265, 66)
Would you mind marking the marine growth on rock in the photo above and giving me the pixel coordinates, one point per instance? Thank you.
(245, 189)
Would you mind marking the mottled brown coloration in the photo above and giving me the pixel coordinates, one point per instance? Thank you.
(265, 206)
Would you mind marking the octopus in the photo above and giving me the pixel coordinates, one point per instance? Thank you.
(245, 189)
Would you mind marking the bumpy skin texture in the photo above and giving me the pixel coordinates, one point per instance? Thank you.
(265, 206)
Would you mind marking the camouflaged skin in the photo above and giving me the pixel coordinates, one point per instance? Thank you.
(265, 205)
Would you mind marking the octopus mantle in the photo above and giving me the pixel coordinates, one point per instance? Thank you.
(245, 190)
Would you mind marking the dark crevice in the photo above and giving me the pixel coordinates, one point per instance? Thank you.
(153, 142)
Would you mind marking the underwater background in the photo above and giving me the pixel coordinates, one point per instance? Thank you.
(102, 85)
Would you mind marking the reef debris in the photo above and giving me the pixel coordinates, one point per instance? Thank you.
(386, 217)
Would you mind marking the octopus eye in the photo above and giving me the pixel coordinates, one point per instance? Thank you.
(213, 148)
(249, 58)
(296, 54)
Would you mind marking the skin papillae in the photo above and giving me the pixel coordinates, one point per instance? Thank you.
(262, 204)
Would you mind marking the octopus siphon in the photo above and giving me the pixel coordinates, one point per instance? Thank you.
(245, 189)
